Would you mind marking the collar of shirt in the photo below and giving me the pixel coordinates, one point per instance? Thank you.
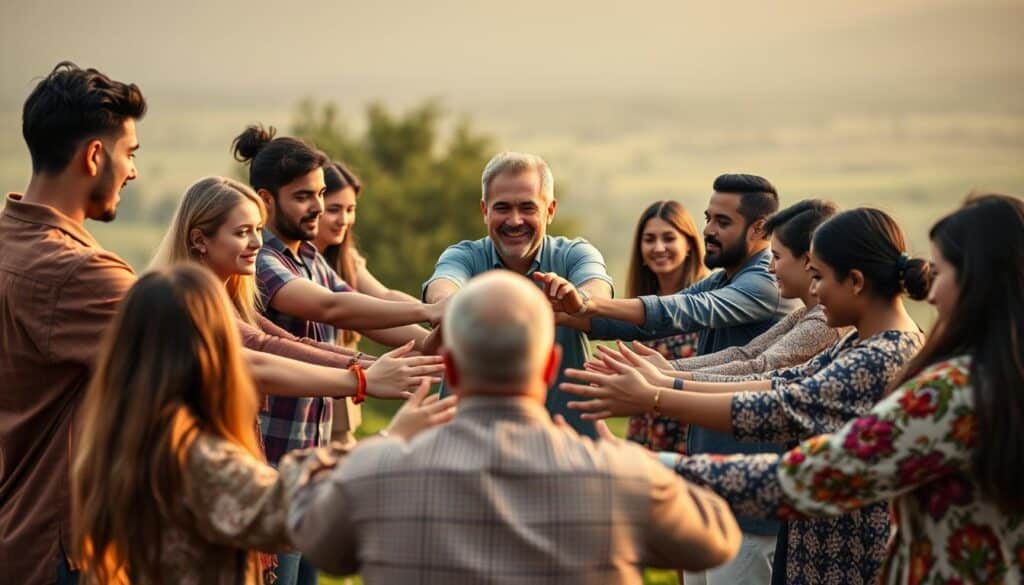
(506, 406)
(496, 261)
(48, 216)
(755, 262)
(307, 251)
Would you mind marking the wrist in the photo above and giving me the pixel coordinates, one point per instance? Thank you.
(361, 384)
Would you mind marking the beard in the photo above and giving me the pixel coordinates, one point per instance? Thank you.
(725, 257)
(291, 229)
(529, 246)
(100, 195)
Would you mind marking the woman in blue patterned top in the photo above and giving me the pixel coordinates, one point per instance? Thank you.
(860, 271)
(667, 256)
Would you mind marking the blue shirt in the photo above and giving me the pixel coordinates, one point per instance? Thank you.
(725, 312)
(574, 260)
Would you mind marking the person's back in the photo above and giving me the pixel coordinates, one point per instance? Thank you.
(502, 494)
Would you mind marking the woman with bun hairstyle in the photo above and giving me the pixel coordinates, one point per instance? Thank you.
(168, 483)
(860, 270)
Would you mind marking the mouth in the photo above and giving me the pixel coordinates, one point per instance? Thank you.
(712, 246)
(516, 236)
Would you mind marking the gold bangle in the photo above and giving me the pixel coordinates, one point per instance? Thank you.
(657, 402)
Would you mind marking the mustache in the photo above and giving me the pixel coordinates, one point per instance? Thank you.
(710, 240)
(515, 231)
(309, 217)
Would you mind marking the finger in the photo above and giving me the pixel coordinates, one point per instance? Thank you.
(620, 367)
(597, 415)
(630, 356)
(443, 417)
(588, 405)
(420, 393)
(540, 277)
(432, 399)
(563, 289)
(560, 421)
(441, 405)
(582, 390)
(423, 360)
(425, 370)
(585, 376)
(400, 350)
(604, 432)
(643, 349)
(406, 395)
(607, 352)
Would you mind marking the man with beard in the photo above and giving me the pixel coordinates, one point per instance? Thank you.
(517, 203)
(728, 308)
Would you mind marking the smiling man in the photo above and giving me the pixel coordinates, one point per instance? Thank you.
(517, 203)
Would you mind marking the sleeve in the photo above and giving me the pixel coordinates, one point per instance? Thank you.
(837, 392)
(271, 275)
(87, 306)
(802, 342)
(749, 483)
(923, 431)
(455, 264)
(750, 298)
(240, 501)
(334, 280)
(601, 328)
(688, 527)
(585, 263)
(289, 346)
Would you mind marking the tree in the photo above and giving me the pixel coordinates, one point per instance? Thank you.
(421, 192)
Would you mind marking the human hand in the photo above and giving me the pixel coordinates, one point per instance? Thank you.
(394, 376)
(626, 356)
(435, 311)
(652, 355)
(603, 432)
(564, 297)
(421, 412)
(433, 341)
(623, 393)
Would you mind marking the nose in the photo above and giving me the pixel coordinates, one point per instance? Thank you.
(771, 266)
(255, 240)
(514, 219)
(659, 246)
(317, 205)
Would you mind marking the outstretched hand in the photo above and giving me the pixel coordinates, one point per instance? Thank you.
(564, 297)
(653, 356)
(421, 412)
(626, 356)
(395, 376)
(622, 393)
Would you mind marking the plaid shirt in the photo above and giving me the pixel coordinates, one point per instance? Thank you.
(502, 496)
(295, 423)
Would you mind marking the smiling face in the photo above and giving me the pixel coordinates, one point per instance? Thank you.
(662, 247)
(298, 206)
(116, 168)
(790, 271)
(725, 233)
(517, 215)
(232, 249)
(945, 292)
(338, 218)
(838, 298)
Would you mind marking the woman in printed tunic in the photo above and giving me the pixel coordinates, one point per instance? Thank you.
(945, 447)
(168, 481)
(859, 272)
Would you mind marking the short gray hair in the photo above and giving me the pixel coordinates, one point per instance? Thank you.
(496, 326)
(517, 162)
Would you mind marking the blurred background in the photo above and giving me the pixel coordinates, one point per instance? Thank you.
(905, 105)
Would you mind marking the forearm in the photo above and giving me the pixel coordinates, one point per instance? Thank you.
(359, 312)
(440, 290)
(395, 336)
(280, 376)
(725, 387)
(628, 310)
(711, 411)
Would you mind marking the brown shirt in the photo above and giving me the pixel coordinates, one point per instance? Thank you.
(58, 291)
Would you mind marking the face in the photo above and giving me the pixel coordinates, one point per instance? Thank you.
(944, 292)
(790, 271)
(663, 248)
(517, 214)
(338, 218)
(298, 206)
(725, 233)
(115, 164)
(838, 298)
(232, 249)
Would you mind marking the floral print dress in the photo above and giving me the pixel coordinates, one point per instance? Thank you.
(661, 433)
(914, 448)
(816, 397)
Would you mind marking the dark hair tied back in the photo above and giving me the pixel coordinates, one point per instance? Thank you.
(249, 143)
(275, 161)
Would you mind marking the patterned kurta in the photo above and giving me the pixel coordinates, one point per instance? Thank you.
(663, 433)
(816, 397)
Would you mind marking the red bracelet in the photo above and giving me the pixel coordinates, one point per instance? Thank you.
(361, 389)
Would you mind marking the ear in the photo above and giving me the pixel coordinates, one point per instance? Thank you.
(450, 373)
(268, 199)
(197, 240)
(551, 367)
(552, 207)
(757, 230)
(856, 278)
(483, 210)
(93, 153)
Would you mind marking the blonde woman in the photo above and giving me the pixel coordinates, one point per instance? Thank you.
(168, 482)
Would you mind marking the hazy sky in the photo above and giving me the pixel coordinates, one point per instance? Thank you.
(280, 50)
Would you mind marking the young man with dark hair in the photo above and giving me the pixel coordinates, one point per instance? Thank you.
(728, 308)
(58, 291)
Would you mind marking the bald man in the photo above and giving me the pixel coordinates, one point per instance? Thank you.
(503, 495)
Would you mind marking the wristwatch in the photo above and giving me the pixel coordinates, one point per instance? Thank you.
(583, 307)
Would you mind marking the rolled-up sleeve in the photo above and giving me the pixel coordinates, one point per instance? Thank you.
(456, 264)
(584, 263)
(751, 297)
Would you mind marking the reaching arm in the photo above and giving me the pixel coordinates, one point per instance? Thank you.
(349, 310)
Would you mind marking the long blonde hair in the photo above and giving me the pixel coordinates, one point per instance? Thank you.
(205, 207)
(170, 367)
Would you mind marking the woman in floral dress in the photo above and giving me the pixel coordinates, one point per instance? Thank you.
(860, 271)
(667, 256)
(945, 447)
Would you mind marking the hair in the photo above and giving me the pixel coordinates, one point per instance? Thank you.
(340, 256)
(869, 240)
(641, 279)
(515, 163)
(151, 396)
(275, 162)
(70, 106)
(795, 224)
(494, 344)
(758, 197)
(205, 207)
(984, 242)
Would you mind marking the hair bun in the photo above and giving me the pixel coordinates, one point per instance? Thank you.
(917, 278)
(249, 143)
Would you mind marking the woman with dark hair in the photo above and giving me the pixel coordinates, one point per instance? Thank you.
(860, 271)
(667, 256)
(168, 482)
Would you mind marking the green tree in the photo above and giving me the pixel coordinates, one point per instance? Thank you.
(421, 185)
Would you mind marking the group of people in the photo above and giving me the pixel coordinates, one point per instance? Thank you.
(789, 421)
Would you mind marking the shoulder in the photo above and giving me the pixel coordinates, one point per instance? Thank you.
(101, 270)
(575, 246)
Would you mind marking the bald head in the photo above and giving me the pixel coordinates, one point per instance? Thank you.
(499, 330)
